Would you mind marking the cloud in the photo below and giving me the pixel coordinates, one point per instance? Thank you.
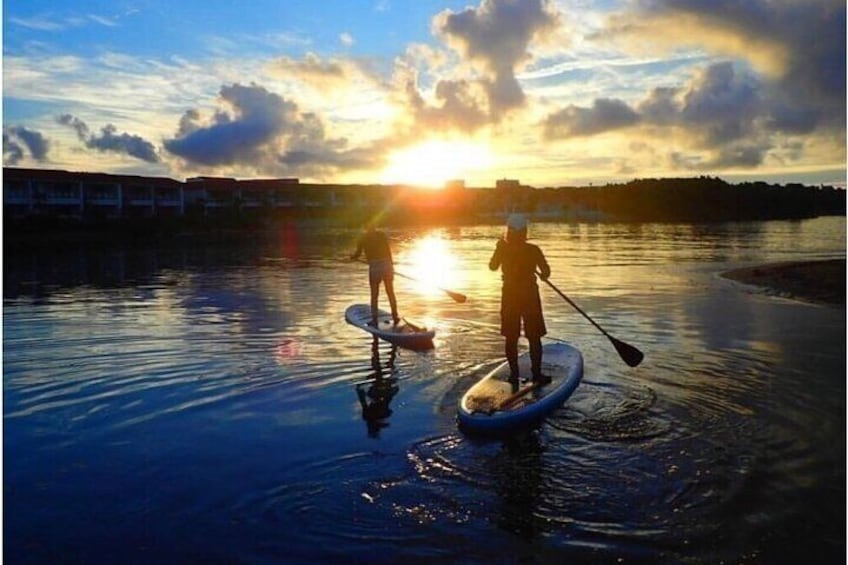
(38, 23)
(346, 39)
(723, 103)
(797, 46)
(262, 131)
(18, 138)
(781, 94)
(110, 140)
(313, 70)
(43, 22)
(604, 115)
(77, 124)
(256, 118)
(721, 111)
(494, 38)
(460, 106)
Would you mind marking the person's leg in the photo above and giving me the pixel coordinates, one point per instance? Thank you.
(389, 283)
(375, 291)
(536, 360)
(534, 329)
(511, 353)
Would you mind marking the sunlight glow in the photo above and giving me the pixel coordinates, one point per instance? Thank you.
(432, 163)
(432, 264)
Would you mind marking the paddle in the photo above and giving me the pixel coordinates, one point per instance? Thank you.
(458, 297)
(455, 295)
(628, 353)
(512, 399)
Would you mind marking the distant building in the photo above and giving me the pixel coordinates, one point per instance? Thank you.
(28, 192)
(507, 184)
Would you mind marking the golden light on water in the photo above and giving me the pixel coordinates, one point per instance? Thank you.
(432, 163)
(432, 264)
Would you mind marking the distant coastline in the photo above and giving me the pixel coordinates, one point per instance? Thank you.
(821, 282)
(40, 201)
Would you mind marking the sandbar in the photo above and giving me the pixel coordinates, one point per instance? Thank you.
(821, 282)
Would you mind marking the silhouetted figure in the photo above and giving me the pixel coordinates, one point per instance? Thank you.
(375, 401)
(378, 253)
(520, 302)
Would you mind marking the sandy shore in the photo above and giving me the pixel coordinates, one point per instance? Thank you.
(822, 282)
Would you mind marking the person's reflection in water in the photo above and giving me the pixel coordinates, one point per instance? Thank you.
(380, 391)
(518, 473)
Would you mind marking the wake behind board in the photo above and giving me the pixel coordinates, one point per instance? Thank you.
(404, 334)
(491, 406)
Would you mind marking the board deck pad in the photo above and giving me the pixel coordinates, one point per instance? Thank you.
(488, 395)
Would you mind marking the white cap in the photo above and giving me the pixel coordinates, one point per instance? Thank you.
(516, 222)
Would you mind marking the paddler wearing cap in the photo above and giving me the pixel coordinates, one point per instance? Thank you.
(519, 262)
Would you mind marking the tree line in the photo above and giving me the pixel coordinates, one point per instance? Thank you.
(704, 199)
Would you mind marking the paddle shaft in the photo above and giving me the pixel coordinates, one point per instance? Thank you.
(458, 297)
(576, 307)
(627, 352)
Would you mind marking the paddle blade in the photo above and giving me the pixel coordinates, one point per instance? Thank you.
(456, 296)
(628, 353)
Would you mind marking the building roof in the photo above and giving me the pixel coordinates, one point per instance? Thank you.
(58, 175)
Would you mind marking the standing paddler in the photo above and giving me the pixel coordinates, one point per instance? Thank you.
(519, 262)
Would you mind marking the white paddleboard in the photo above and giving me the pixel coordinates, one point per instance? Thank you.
(402, 334)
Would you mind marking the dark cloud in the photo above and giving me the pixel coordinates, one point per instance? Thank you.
(804, 42)
(459, 106)
(745, 155)
(722, 111)
(132, 145)
(786, 87)
(723, 104)
(77, 124)
(110, 140)
(494, 36)
(662, 106)
(604, 115)
(17, 140)
(262, 131)
(256, 119)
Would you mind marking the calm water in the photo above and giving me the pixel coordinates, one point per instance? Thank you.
(201, 405)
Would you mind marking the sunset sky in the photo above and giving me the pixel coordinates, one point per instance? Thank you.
(552, 93)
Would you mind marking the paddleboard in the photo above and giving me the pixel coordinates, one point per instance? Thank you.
(404, 334)
(492, 406)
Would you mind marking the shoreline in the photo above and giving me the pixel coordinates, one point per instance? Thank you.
(819, 282)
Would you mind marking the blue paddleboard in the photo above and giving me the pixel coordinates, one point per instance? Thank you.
(491, 406)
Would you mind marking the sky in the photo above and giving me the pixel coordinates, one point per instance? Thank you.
(548, 92)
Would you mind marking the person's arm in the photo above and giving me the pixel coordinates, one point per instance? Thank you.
(495, 261)
(358, 251)
(542, 264)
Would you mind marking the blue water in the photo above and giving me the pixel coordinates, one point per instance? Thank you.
(199, 404)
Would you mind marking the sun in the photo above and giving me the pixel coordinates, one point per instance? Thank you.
(432, 163)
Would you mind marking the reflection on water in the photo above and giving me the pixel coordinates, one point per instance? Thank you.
(376, 393)
(196, 404)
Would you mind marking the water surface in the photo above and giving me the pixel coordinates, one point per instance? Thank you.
(209, 404)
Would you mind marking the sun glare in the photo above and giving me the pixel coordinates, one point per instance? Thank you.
(431, 264)
(432, 163)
